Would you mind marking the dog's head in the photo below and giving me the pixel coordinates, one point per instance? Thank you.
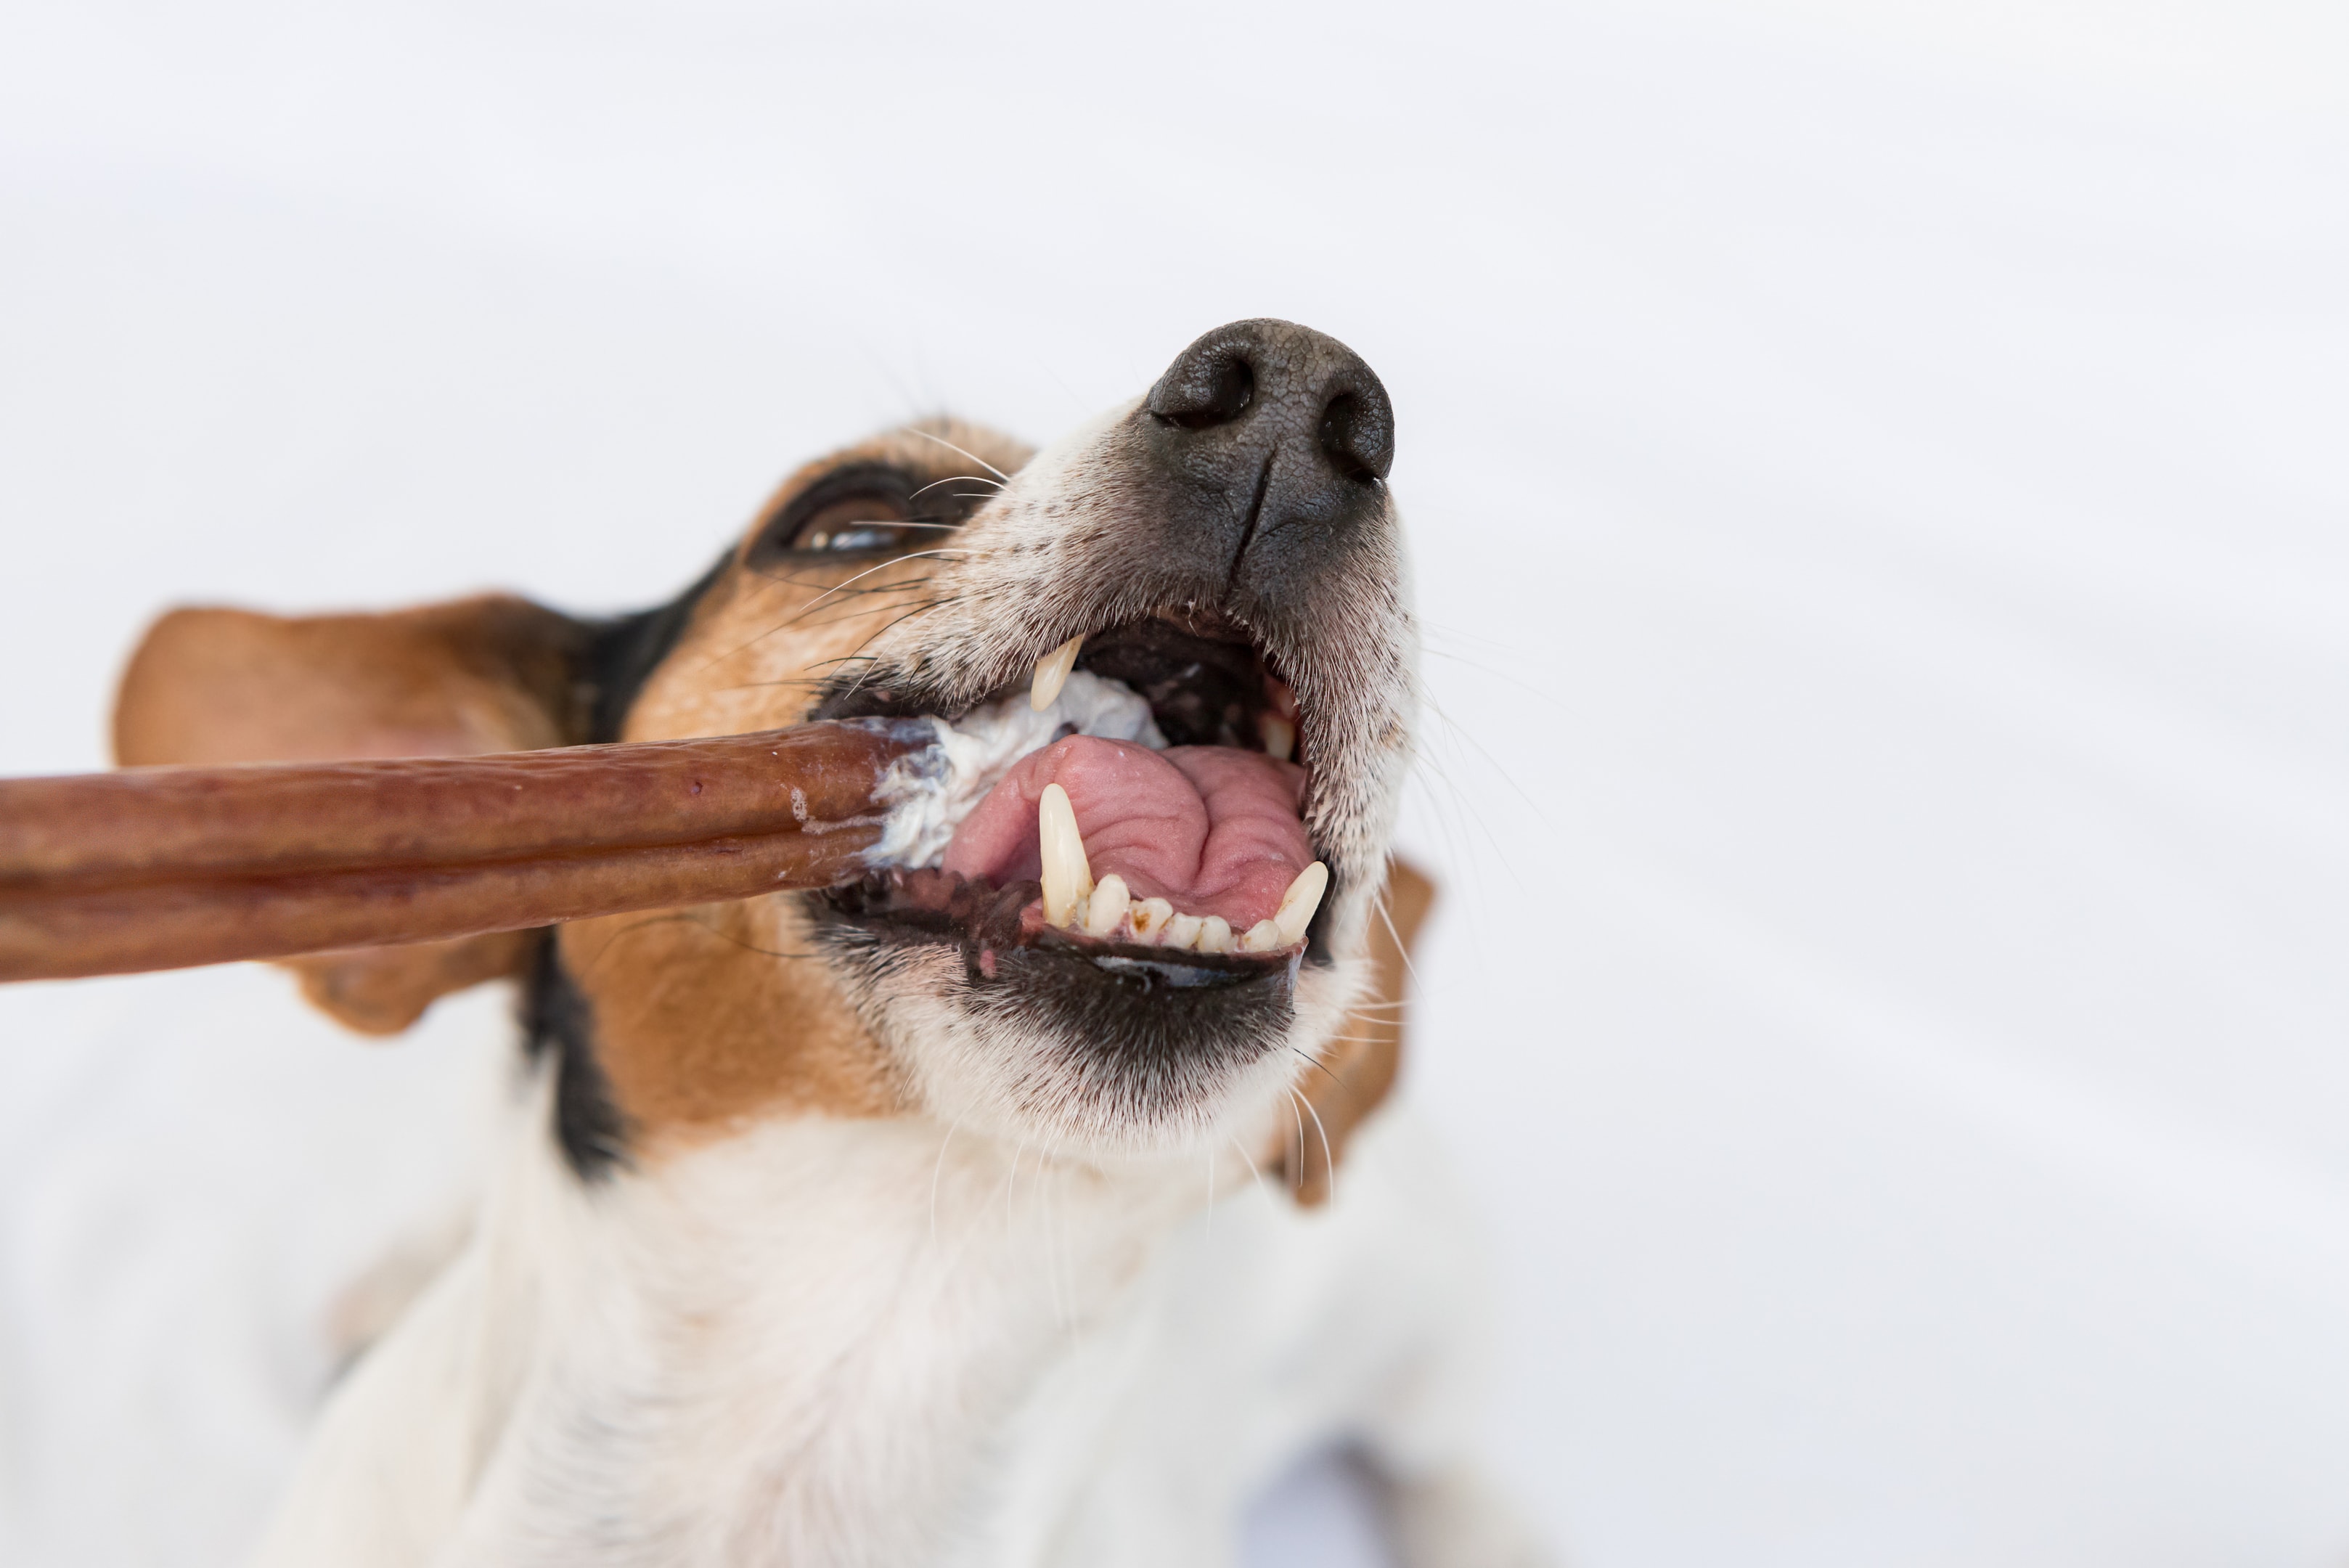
(1222, 558)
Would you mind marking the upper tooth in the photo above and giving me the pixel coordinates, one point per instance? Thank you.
(1279, 736)
(1108, 906)
(1052, 674)
(1067, 877)
(1297, 905)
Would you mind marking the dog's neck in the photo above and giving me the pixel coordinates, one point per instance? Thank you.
(806, 1341)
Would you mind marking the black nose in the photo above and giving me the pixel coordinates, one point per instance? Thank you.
(1272, 447)
(1276, 387)
(1299, 403)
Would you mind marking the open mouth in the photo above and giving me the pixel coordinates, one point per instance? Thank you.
(1137, 805)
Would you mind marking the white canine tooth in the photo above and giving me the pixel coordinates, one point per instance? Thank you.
(1279, 736)
(1182, 930)
(1052, 674)
(1214, 935)
(1108, 907)
(1149, 916)
(1262, 938)
(1297, 905)
(1067, 877)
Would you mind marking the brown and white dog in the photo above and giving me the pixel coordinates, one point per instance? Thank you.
(872, 1226)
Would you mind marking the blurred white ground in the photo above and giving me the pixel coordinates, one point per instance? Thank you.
(1882, 508)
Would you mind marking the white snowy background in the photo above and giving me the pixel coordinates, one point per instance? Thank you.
(1878, 477)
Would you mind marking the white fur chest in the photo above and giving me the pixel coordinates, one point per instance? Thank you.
(764, 1353)
(807, 1342)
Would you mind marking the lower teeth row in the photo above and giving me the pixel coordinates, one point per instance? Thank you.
(1110, 911)
(1073, 902)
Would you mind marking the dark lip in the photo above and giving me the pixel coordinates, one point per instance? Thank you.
(988, 923)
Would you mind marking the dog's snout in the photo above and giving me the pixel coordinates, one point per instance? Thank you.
(1253, 391)
(1265, 450)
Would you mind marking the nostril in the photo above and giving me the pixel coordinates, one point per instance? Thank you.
(1358, 438)
(1198, 394)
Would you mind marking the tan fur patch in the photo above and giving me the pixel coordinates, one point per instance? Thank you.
(480, 675)
(383, 991)
(1362, 1063)
(700, 1024)
(709, 1015)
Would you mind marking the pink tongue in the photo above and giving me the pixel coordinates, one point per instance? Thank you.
(1211, 829)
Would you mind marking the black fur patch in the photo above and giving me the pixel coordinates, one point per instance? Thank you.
(623, 652)
(558, 1020)
(556, 1016)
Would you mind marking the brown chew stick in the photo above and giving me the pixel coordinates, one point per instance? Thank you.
(167, 867)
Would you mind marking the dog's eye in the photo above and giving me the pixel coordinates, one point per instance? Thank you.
(860, 524)
(857, 509)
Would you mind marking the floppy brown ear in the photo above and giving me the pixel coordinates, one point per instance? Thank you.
(1360, 1066)
(494, 674)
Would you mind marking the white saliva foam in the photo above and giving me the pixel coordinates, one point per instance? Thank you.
(929, 793)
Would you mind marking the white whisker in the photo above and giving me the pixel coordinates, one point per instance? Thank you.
(955, 479)
(1402, 950)
(1294, 1101)
(1011, 1180)
(1250, 1163)
(1329, 1155)
(937, 1171)
(959, 451)
(808, 608)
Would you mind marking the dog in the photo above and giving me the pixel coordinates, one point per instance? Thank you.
(1032, 1201)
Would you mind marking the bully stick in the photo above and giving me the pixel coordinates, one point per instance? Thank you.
(167, 867)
